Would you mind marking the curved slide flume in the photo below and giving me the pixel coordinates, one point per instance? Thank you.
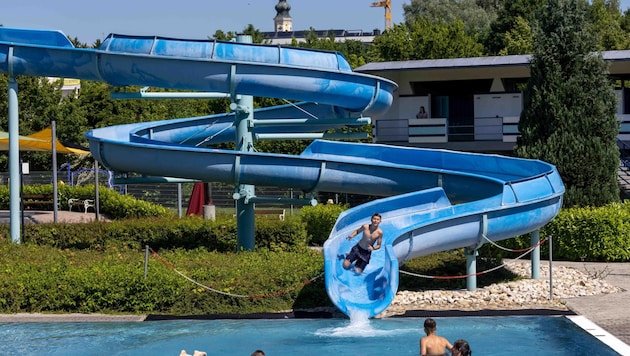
(434, 200)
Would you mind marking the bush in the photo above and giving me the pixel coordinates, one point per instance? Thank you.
(111, 203)
(584, 234)
(43, 279)
(320, 220)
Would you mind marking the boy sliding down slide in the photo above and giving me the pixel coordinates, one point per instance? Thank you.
(362, 251)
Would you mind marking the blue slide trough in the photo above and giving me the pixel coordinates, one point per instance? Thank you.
(433, 200)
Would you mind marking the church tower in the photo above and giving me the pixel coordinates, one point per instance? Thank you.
(283, 22)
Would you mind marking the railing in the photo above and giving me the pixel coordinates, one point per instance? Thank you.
(441, 130)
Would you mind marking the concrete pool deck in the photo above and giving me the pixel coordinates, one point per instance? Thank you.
(610, 312)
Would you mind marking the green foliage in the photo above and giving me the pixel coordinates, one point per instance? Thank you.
(320, 220)
(509, 18)
(276, 235)
(475, 15)
(166, 233)
(569, 117)
(592, 234)
(519, 39)
(43, 279)
(112, 204)
(425, 39)
(606, 23)
(121, 206)
(585, 234)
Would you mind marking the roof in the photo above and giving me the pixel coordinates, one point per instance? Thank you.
(472, 62)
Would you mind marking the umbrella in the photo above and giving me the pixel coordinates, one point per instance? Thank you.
(197, 200)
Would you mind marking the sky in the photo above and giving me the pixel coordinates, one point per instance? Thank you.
(188, 19)
(192, 19)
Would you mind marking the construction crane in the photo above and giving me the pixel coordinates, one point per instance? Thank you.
(387, 4)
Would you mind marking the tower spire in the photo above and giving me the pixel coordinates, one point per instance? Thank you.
(283, 22)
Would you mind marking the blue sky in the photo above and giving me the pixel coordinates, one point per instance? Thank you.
(192, 19)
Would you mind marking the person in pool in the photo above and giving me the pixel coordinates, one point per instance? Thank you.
(461, 348)
(432, 344)
(362, 251)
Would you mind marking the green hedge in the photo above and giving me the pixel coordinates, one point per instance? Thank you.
(584, 234)
(45, 279)
(165, 234)
(111, 203)
(320, 220)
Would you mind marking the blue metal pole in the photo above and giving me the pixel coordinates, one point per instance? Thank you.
(14, 158)
(471, 269)
(535, 240)
(243, 106)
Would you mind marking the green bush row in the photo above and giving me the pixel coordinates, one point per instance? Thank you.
(45, 279)
(586, 234)
(165, 233)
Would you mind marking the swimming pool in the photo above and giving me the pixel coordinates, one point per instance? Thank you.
(513, 335)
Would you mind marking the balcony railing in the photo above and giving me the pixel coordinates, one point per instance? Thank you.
(439, 130)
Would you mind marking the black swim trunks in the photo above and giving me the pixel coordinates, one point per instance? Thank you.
(361, 255)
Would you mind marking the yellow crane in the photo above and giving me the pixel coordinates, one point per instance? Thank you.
(387, 4)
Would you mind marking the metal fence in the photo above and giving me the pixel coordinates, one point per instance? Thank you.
(177, 195)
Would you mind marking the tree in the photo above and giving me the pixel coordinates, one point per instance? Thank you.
(474, 14)
(519, 39)
(425, 39)
(606, 19)
(511, 15)
(569, 118)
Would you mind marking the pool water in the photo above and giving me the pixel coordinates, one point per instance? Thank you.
(513, 335)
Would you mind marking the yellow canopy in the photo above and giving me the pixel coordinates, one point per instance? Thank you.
(39, 141)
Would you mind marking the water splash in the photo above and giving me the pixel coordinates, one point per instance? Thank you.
(360, 325)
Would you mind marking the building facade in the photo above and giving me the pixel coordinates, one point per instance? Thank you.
(473, 104)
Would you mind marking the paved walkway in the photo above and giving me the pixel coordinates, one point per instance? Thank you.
(611, 312)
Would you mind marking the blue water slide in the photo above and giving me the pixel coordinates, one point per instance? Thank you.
(432, 200)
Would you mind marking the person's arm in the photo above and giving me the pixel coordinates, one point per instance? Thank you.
(423, 347)
(356, 232)
(448, 345)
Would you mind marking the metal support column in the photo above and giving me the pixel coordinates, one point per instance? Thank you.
(535, 240)
(14, 155)
(243, 106)
(471, 268)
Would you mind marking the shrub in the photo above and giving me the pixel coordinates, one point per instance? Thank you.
(320, 220)
(584, 234)
(111, 203)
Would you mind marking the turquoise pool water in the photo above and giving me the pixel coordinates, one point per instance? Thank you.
(519, 335)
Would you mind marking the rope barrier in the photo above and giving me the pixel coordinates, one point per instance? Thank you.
(265, 295)
(478, 273)
(254, 296)
(513, 250)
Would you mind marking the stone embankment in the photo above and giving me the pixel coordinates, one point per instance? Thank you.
(526, 293)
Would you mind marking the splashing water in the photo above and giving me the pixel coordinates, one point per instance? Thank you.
(359, 326)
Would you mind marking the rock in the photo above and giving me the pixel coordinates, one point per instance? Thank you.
(526, 293)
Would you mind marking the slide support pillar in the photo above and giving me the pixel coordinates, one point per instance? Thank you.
(471, 268)
(535, 241)
(243, 106)
(15, 179)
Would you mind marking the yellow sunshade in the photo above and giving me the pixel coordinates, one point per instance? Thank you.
(39, 141)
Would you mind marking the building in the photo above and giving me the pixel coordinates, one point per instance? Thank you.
(474, 104)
